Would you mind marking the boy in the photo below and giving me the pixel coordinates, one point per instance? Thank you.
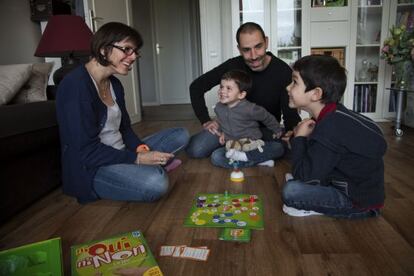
(337, 162)
(239, 119)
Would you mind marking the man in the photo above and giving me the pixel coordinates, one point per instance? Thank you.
(270, 76)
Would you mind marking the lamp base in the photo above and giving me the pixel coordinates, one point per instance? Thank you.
(64, 70)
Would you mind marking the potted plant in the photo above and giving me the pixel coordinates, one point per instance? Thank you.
(397, 51)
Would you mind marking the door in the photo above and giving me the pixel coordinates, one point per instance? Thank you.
(104, 11)
(173, 50)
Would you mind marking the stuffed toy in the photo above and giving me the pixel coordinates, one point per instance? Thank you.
(245, 144)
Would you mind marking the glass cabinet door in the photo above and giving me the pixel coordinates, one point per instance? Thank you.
(367, 59)
(288, 14)
(252, 11)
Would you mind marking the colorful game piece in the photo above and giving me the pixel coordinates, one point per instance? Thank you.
(232, 211)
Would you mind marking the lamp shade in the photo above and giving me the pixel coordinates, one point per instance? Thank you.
(64, 35)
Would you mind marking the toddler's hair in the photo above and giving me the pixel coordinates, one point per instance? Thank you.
(241, 78)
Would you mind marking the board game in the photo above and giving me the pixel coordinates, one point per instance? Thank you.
(40, 258)
(124, 254)
(226, 210)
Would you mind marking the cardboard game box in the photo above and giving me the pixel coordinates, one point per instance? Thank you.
(124, 254)
(40, 258)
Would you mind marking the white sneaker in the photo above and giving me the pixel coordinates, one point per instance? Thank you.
(268, 163)
(236, 155)
(299, 213)
(288, 177)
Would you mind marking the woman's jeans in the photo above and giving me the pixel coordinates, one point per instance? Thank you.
(204, 144)
(322, 199)
(145, 183)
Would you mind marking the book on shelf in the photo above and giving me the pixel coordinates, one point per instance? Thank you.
(364, 98)
(405, 18)
(355, 103)
(123, 254)
(39, 258)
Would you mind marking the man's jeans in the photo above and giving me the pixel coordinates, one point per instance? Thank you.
(322, 199)
(204, 144)
(145, 183)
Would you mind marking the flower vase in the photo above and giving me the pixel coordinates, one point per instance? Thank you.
(403, 71)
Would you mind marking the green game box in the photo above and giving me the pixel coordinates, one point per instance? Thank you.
(40, 258)
(124, 254)
(226, 210)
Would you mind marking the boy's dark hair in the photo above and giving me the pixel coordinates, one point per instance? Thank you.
(241, 78)
(325, 72)
(248, 27)
(109, 34)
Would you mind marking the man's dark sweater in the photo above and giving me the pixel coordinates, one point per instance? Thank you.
(268, 91)
(345, 150)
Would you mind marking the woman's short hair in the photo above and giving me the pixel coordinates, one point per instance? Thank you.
(109, 34)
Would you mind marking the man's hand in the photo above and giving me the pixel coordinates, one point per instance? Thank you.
(304, 128)
(212, 127)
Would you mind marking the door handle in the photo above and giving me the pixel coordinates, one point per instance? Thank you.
(157, 48)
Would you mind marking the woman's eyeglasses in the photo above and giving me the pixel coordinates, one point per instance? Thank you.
(127, 50)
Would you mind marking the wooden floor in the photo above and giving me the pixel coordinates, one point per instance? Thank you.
(286, 246)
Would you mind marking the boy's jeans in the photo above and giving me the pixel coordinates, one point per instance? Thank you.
(322, 199)
(145, 183)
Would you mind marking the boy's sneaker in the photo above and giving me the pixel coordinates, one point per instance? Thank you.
(268, 163)
(298, 213)
(288, 177)
(236, 155)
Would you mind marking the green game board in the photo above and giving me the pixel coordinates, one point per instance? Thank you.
(229, 211)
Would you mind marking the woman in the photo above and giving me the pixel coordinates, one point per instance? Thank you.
(101, 155)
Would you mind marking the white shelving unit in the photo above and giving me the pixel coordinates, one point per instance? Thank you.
(369, 24)
(359, 28)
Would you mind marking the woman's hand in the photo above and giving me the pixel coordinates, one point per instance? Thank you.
(153, 158)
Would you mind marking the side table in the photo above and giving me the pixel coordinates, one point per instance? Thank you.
(398, 109)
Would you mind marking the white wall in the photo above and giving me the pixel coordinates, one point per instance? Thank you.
(19, 35)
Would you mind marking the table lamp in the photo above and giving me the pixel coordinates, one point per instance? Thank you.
(67, 37)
